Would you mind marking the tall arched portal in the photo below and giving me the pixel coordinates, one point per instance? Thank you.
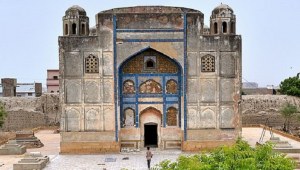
(149, 79)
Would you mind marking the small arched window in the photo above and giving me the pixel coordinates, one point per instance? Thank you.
(232, 27)
(150, 64)
(91, 64)
(208, 63)
(224, 27)
(172, 116)
(216, 28)
(73, 28)
(66, 29)
(83, 29)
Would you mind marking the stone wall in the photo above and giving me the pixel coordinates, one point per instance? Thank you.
(257, 108)
(30, 112)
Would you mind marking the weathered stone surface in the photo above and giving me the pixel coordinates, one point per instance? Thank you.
(227, 117)
(92, 119)
(227, 90)
(72, 66)
(208, 117)
(12, 148)
(73, 91)
(208, 90)
(73, 121)
(92, 92)
(227, 63)
(31, 161)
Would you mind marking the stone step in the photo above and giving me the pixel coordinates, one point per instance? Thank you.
(287, 150)
(279, 142)
(296, 159)
(283, 146)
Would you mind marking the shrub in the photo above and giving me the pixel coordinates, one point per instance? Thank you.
(240, 156)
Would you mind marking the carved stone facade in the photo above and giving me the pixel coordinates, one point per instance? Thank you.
(149, 75)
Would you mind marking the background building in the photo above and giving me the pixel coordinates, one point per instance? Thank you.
(52, 81)
(10, 88)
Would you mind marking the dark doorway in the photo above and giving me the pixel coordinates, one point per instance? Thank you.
(150, 135)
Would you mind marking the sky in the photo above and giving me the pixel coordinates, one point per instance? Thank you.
(29, 31)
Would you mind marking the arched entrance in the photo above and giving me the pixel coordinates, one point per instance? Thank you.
(150, 121)
(149, 85)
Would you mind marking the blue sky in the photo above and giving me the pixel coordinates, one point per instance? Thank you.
(29, 32)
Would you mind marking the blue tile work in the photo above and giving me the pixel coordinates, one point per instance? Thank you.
(115, 77)
(131, 100)
(185, 75)
(128, 78)
(172, 99)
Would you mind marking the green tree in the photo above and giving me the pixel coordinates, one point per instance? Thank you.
(288, 111)
(2, 114)
(237, 157)
(290, 86)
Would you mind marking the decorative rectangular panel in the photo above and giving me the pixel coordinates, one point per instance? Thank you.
(227, 90)
(73, 64)
(73, 91)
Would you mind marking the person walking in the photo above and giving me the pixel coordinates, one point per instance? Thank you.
(148, 156)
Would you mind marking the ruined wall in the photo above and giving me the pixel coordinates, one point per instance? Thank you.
(257, 108)
(30, 112)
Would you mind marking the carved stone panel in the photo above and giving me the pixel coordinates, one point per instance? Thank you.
(73, 64)
(91, 92)
(108, 63)
(192, 117)
(207, 118)
(109, 118)
(192, 90)
(129, 116)
(227, 117)
(208, 90)
(227, 64)
(73, 120)
(172, 116)
(73, 91)
(92, 119)
(108, 92)
(227, 90)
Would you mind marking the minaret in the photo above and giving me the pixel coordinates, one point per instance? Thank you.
(75, 22)
(222, 21)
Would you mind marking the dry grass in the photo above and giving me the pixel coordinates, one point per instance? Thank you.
(5, 136)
